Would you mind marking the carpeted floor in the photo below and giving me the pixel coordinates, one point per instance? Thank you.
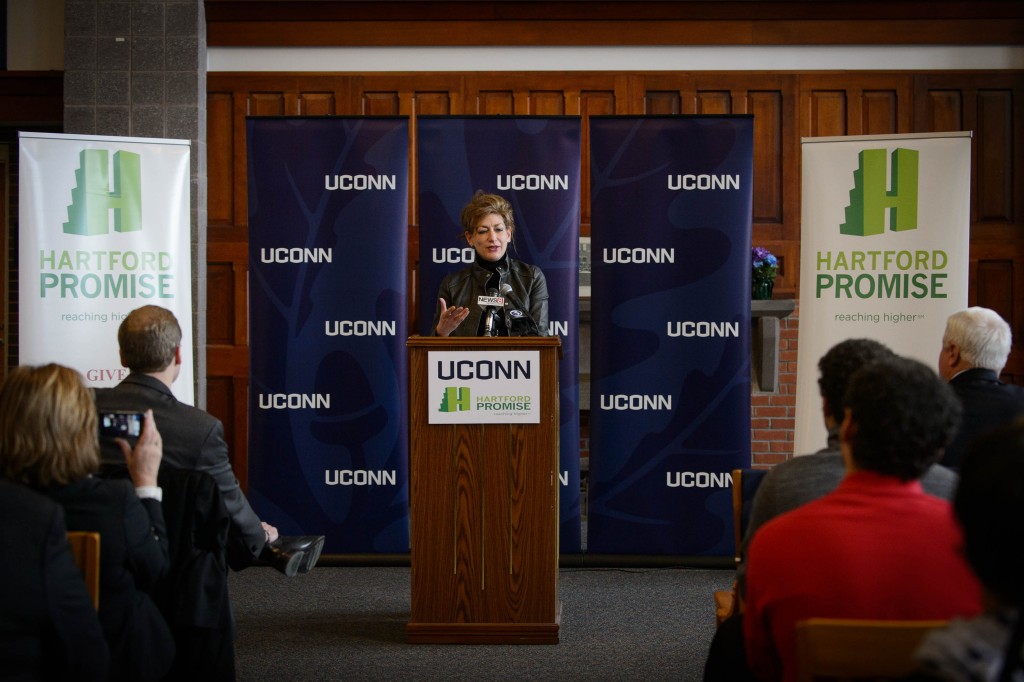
(344, 623)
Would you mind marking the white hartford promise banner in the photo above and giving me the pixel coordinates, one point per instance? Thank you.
(884, 251)
(104, 229)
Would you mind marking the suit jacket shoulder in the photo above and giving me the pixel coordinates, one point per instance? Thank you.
(987, 403)
(50, 629)
(186, 430)
(192, 439)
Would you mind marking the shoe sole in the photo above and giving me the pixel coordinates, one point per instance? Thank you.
(295, 562)
(312, 556)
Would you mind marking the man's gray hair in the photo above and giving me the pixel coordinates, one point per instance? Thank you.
(983, 337)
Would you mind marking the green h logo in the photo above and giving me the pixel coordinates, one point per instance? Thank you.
(456, 399)
(869, 198)
(92, 200)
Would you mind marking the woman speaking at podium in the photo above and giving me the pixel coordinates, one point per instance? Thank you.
(488, 226)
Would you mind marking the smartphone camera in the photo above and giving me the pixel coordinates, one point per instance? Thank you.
(121, 424)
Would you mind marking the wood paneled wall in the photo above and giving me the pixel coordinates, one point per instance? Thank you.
(786, 107)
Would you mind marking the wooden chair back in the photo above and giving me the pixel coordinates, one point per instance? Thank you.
(744, 485)
(847, 649)
(86, 548)
(737, 511)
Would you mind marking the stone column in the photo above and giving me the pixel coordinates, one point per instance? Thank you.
(138, 69)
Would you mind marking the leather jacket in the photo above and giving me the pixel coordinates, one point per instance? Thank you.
(529, 288)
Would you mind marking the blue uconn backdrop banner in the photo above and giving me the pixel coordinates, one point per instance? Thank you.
(670, 339)
(534, 162)
(328, 428)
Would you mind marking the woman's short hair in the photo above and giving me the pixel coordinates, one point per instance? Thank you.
(48, 428)
(983, 337)
(148, 338)
(904, 416)
(483, 205)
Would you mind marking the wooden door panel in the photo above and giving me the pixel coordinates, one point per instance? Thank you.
(995, 168)
(827, 113)
(857, 104)
(227, 107)
(316, 104)
(545, 103)
(220, 307)
(267, 104)
(714, 103)
(991, 108)
(880, 112)
(768, 109)
(495, 102)
(432, 103)
(994, 285)
(220, 152)
(662, 103)
(944, 111)
(227, 350)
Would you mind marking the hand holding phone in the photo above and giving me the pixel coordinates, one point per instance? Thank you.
(143, 459)
(121, 424)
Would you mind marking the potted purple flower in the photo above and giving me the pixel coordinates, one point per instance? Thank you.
(764, 265)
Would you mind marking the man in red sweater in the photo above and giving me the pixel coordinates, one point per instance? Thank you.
(878, 546)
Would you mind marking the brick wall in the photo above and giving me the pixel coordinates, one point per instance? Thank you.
(772, 415)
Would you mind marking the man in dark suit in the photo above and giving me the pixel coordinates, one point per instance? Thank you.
(975, 346)
(149, 339)
(49, 629)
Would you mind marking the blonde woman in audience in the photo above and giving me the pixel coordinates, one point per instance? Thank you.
(49, 441)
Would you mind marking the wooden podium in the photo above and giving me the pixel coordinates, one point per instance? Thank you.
(483, 511)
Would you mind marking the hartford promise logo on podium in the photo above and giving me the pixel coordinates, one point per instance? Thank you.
(483, 387)
(456, 399)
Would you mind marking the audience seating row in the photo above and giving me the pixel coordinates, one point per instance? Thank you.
(830, 648)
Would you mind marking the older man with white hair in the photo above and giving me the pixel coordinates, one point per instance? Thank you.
(975, 346)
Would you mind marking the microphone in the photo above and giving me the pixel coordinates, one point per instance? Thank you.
(491, 310)
(520, 322)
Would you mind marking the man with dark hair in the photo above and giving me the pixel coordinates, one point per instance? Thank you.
(877, 546)
(800, 480)
(149, 340)
(796, 482)
(975, 346)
